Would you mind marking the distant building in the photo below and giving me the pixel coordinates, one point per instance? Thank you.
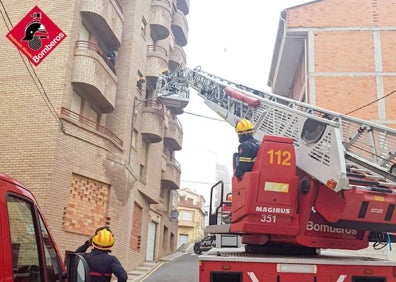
(222, 174)
(191, 207)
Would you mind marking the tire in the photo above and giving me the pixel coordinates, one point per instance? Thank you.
(197, 249)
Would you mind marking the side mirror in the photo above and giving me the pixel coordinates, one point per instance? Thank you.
(77, 268)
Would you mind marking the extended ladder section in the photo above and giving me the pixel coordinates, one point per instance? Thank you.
(340, 151)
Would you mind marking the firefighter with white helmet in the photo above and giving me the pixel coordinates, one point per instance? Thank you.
(247, 149)
(101, 264)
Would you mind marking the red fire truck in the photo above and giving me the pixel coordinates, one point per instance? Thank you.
(321, 183)
(28, 251)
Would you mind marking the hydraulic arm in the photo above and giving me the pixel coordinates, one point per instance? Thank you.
(338, 188)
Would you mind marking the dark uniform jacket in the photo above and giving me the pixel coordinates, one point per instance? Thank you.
(246, 156)
(102, 265)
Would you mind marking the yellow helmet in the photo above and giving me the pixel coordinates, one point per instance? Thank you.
(244, 126)
(103, 239)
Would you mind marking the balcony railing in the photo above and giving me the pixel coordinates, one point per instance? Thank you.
(88, 45)
(157, 49)
(79, 119)
(155, 105)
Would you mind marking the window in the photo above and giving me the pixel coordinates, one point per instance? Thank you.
(90, 113)
(187, 216)
(76, 103)
(25, 244)
(165, 240)
(142, 173)
(143, 27)
(143, 165)
(137, 216)
(85, 35)
(368, 279)
(52, 264)
(226, 276)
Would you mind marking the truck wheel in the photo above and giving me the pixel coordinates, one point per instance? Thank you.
(197, 249)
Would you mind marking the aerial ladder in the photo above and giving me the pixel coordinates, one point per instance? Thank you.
(321, 179)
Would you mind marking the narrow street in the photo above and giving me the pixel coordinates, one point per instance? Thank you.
(183, 269)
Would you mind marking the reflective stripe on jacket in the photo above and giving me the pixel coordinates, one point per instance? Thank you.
(247, 152)
(102, 265)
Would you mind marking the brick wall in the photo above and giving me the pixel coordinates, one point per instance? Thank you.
(87, 206)
(351, 63)
(136, 233)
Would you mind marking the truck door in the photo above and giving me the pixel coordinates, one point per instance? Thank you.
(33, 254)
(2, 252)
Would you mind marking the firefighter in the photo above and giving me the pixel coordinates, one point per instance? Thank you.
(101, 264)
(247, 149)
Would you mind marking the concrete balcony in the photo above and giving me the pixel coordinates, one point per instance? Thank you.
(160, 19)
(153, 116)
(93, 75)
(183, 5)
(104, 17)
(157, 61)
(90, 125)
(177, 57)
(149, 193)
(171, 175)
(174, 134)
(180, 28)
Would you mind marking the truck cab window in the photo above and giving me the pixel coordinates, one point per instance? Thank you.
(24, 245)
(53, 267)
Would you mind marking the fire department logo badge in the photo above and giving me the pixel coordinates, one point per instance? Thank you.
(36, 36)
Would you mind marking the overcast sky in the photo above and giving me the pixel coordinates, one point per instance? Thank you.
(234, 40)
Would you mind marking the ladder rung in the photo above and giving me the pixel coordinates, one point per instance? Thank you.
(361, 175)
(355, 171)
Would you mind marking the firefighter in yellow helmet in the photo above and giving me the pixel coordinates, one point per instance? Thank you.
(247, 149)
(101, 264)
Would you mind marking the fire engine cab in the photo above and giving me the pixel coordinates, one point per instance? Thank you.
(321, 186)
(28, 251)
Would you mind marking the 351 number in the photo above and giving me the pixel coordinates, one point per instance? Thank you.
(268, 218)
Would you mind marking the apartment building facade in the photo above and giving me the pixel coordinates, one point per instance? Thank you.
(191, 208)
(338, 55)
(82, 129)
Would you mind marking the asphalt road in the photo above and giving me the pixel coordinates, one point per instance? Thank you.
(183, 269)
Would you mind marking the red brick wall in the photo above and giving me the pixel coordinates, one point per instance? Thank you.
(345, 94)
(87, 206)
(344, 51)
(344, 70)
(341, 13)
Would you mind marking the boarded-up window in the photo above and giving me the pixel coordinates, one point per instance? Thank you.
(136, 233)
(87, 206)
